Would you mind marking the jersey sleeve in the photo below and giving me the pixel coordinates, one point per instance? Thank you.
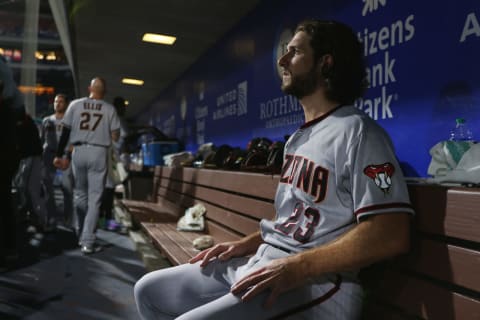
(115, 123)
(43, 130)
(68, 117)
(378, 185)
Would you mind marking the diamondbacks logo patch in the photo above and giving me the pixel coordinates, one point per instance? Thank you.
(381, 174)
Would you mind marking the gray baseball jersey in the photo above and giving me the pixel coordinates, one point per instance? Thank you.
(91, 121)
(337, 169)
(51, 131)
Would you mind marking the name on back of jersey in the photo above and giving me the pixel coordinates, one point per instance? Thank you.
(92, 106)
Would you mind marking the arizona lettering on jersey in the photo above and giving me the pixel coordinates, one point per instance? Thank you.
(309, 178)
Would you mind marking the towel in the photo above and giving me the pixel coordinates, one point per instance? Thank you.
(455, 161)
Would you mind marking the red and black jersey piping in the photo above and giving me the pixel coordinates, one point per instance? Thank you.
(383, 206)
(313, 303)
(317, 120)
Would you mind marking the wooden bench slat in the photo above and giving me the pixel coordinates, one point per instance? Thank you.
(140, 205)
(220, 234)
(165, 237)
(260, 185)
(248, 206)
(183, 240)
(188, 236)
(445, 262)
(178, 246)
(132, 203)
(447, 212)
(241, 224)
(165, 191)
(234, 221)
(152, 212)
(463, 214)
(423, 299)
(429, 203)
(164, 244)
(214, 213)
(171, 191)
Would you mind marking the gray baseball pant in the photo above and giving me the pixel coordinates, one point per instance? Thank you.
(190, 292)
(89, 165)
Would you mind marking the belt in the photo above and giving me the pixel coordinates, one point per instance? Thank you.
(79, 143)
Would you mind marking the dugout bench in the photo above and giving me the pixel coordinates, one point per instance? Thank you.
(438, 279)
(235, 203)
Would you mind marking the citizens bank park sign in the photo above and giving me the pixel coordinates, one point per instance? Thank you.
(422, 68)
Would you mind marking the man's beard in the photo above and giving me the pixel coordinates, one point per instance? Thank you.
(302, 85)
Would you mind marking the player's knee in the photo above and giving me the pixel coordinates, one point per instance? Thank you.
(142, 289)
(139, 291)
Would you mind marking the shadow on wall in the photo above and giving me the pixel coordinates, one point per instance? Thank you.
(408, 170)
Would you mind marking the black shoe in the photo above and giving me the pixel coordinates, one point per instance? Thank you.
(91, 249)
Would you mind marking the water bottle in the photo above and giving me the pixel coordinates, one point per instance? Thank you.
(57, 180)
(461, 132)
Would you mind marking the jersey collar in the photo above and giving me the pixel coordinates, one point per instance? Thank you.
(317, 120)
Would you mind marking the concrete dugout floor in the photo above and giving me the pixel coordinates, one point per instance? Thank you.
(52, 279)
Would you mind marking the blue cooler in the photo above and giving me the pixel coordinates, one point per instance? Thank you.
(154, 152)
(146, 155)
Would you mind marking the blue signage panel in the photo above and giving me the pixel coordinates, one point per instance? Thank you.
(422, 69)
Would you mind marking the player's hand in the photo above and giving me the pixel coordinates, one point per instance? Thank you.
(279, 276)
(221, 251)
(61, 163)
(65, 163)
(57, 162)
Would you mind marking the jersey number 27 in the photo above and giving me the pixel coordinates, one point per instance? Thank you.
(86, 119)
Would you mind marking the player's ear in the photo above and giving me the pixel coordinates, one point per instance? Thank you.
(325, 64)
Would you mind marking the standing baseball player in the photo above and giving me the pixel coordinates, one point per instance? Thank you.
(341, 204)
(91, 124)
(11, 101)
(28, 178)
(50, 134)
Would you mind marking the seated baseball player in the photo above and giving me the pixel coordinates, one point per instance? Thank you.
(341, 205)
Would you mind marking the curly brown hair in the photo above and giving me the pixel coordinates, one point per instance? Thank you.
(346, 77)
